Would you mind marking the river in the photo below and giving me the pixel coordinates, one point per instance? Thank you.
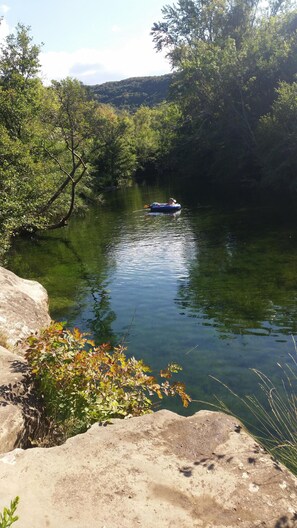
(213, 288)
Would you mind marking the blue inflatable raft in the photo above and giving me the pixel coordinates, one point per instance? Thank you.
(157, 207)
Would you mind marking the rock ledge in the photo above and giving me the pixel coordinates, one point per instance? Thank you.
(160, 470)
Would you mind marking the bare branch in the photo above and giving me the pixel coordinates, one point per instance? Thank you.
(58, 163)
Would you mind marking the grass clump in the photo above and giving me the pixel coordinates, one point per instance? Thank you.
(81, 383)
(273, 418)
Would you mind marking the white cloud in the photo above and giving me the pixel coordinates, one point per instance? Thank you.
(4, 8)
(4, 30)
(115, 29)
(136, 57)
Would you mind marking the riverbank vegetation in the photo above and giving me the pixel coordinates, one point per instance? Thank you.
(235, 84)
(81, 383)
(59, 147)
(229, 122)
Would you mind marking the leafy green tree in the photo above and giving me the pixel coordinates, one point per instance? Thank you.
(277, 140)
(70, 123)
(155, 130)
(114, 157)
(21, 102)
(19, 60)
(167, 118)
(191, 21)
(46, 136)
(229, 57)
(146, 135)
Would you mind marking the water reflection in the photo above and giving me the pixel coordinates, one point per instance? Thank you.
(212, 289)
(241, 281)
(100, 324)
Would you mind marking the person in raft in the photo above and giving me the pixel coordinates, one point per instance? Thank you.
(171, 201)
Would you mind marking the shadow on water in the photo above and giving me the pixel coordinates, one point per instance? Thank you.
(72, 284)
(100, 324)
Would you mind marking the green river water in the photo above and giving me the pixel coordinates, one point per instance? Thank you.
(213, 289)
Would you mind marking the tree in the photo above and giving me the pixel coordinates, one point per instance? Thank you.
(191, 21)
(230, 57)
(212, 21)
(114, 156)
(45, 139)
(146, 135)
(19, 57)
(155, 131)
(277, 140)
(69, 143)
(20, 88)
(21, 162)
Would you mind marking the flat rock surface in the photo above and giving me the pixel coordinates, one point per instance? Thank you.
(23, 307)
(161, 470)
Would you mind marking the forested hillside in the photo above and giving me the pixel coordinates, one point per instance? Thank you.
(130, 94)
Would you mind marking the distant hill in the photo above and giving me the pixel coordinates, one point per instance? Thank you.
(131, 93)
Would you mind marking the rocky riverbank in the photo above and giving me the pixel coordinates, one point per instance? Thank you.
(160, 470)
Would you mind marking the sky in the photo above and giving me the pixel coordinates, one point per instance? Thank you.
(94, 41)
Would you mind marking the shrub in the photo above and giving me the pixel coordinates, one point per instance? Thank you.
(81, 383)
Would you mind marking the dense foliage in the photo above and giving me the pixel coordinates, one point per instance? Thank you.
(45, 141)
(59, 147)
(81, 383)
(236, 65)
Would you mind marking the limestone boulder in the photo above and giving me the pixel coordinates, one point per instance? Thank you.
(160, 470)
(23, 307)
(12, 422)
(17, 414)
(23, 310)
